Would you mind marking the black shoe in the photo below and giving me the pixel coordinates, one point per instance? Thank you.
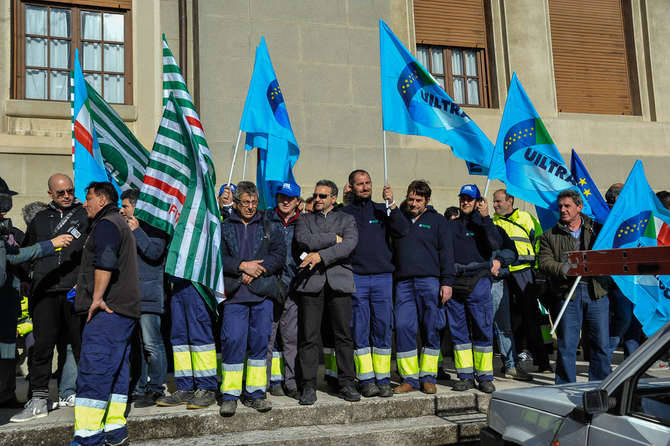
(123, 442)
(260, 404)
(277, 390)
(176, 399)
(292, 393)
(349, 393)
(487, 387)
(385, 390)
(442, 375)
(333, 385)
(308, 396)
(228, 408)
(463, 384)
(147, 400)
(369, 390)
(201, 399)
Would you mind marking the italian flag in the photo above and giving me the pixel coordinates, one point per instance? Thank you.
(659, 230)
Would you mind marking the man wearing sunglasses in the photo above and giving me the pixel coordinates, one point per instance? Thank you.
(327, 239)
(52, 278)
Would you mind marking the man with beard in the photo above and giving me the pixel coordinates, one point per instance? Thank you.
(372, 262)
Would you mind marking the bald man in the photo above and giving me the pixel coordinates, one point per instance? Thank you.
(52, 278)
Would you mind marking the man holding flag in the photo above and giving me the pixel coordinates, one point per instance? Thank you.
(589, 303)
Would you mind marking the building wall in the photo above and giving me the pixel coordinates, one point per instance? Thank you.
(326, 56)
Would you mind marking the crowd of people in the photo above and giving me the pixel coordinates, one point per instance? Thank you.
(310, 278)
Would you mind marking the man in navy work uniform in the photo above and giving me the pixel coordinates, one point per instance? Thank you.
(424, 271)
(475, 242)
(373, 274)
(108, 289)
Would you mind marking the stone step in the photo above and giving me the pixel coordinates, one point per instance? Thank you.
(178, 422)
(426, 430)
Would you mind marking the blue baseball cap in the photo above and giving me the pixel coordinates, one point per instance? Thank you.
(471, 191)
(232, 188)
(289, 189)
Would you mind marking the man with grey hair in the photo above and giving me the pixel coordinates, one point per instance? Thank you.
(589, 303)
(253, 255)
(613, 193)
(328, 239)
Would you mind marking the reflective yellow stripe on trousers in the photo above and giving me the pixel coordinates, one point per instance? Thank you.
(115, 418)
(89, 415)
(232, 379)
(463, 358)
(483, 360)
(182, 361)
(203, 360)
(277, 368)
(408, 364)
(363, 363)
(381, 361)
(257, 378)
(429, 361)
(330, 362)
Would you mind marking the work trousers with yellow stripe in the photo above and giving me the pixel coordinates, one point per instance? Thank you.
(245, 330)
(103, 380)
(473, 348)
(416, 306)
(192, 338)
(372, 321)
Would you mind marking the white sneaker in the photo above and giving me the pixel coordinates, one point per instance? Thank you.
(34, 408)
(67, 402)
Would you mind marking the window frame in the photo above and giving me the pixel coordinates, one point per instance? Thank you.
(19, 35)
(448, 76)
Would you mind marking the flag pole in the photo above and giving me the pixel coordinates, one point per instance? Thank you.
(565, 305)
(232, 166)
(386, 172)
(244, 166)
(486, 189)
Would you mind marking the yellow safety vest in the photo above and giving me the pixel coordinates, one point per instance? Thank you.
(520, 226)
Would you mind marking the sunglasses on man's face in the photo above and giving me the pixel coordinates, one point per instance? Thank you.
(61, 193)
(321, 196)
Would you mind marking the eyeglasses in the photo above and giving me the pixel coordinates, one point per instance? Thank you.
(321, 196)
(249, 203)
(61, 193)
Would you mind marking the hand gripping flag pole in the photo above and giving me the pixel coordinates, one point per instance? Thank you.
(565, 305)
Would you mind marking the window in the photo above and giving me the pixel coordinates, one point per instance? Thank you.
(651, 393)
(46, 35)
(458, 71)
(453, 42)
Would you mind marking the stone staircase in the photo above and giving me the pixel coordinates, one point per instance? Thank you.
(444, 418)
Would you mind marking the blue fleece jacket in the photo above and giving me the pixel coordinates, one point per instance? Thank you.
(373, 254)
(475, 239)
(426, 250)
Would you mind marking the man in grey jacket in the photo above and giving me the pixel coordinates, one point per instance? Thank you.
(325, 279)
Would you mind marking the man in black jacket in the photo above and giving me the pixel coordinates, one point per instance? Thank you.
(373, 274)
(148, 357)
(424, 273)
(475, 243)
(252, 259)
(52, 278)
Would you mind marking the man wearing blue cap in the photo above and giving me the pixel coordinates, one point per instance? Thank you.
(475, 242)
(285, 321)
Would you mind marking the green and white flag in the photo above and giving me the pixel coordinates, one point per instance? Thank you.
(178, 197)
(173, 83)
(124, 157)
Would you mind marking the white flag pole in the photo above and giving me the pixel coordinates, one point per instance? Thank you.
(486, 189)
(386, 171)
(244, 166)
(232, 166)
(565, 305)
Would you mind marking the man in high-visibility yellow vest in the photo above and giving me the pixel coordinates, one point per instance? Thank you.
(524, 230)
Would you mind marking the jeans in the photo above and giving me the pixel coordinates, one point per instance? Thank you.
(68, 375)
(624, 326)
(502, 324)
(154, 370)
(595, 314)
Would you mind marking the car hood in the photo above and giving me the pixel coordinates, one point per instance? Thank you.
(559, 399)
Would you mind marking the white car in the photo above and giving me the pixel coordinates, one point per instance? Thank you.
(630, 407)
